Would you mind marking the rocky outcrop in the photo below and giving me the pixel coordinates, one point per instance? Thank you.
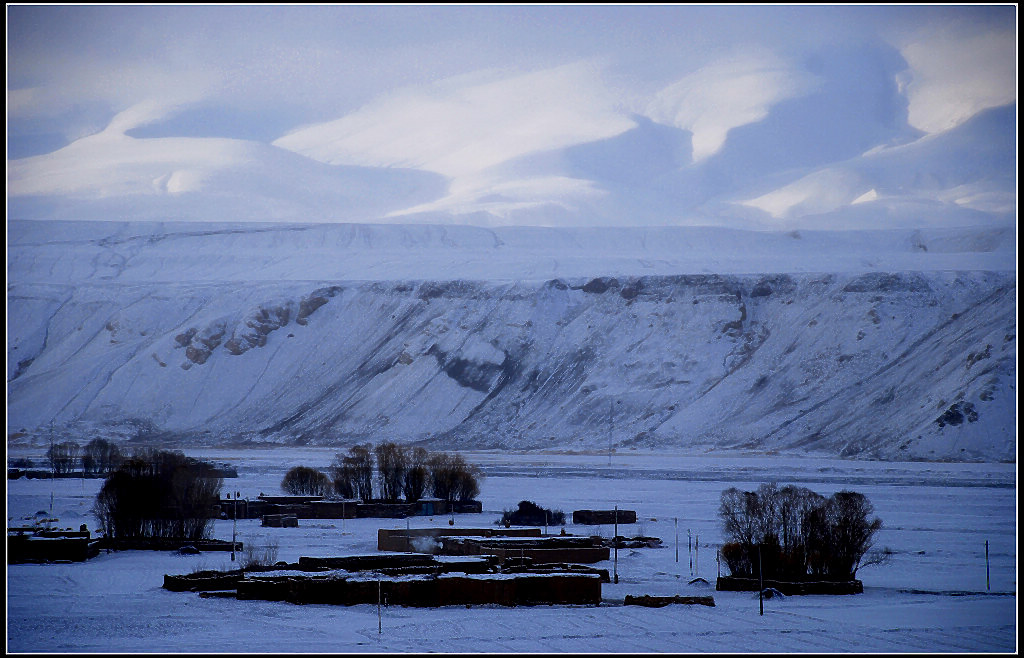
(900, 366)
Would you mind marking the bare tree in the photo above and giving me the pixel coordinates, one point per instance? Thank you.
(343, 475)
(441, 469)
(100, 457)
(739, 513)
(391, 466)
(853, 531)
(467, 480)
(360, 458)
(415, 481)
(451, 478)
(305, 481)
(63, 456)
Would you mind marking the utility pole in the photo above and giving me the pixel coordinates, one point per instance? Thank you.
(689, 548)
(760, 579)
(696, 555)
(234, 526)
(615, 542)
(986, 565)
(611, 426)
(53, 467)
(676, 520)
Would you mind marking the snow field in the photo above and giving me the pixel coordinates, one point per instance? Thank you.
(930, 598)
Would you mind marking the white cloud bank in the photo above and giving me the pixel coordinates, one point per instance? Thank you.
(560, 136)
(725, 95)
(464, 128)
(459, 129)
(953, 77)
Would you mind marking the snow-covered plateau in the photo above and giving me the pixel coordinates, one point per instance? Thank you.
(893, 344)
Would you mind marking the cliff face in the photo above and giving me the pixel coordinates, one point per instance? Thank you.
(890, 365)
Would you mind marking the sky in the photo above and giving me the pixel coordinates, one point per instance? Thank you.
(510, 114)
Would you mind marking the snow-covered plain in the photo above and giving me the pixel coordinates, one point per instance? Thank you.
(932, 597)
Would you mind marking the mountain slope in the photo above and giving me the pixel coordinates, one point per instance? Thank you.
(866, 363)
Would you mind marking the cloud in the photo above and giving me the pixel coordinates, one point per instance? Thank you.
(506, 199)
(820, 192)
(465, 126)
(724, 95)
(953, 76)
(505, 111)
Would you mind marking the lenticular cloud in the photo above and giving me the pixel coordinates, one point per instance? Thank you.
(725, 95)
(462, 130)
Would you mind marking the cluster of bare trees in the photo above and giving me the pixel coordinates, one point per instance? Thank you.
(399, 472)
(63, 457)
(795, 533)
(157, 493)
(99, 457)
(451, 478)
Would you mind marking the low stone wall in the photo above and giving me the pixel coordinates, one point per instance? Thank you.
(385, 510)
(367, 562)
(28, 548)
(467, 507)
(406, 540)
(538, 550)
(312, 507)
(166, 544)
(739, 584)
(552, 568)
(428, 591)
(603, 517)
(649, 601)
(204, 581)
(331, 509)
(585, 555)
(280, 521)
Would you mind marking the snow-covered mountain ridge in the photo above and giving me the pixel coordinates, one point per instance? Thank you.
(176, 252)
(516, 338)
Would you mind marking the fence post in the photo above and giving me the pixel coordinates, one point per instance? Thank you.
(986, 565)
(689, 549)
(760, 580)
(615, 543)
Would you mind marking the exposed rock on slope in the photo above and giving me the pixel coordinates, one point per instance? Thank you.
(916, 365)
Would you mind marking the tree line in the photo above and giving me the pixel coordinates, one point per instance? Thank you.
(391, 471)
(793, 533)
(98, 457)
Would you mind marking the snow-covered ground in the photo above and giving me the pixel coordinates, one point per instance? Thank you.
(932, 597)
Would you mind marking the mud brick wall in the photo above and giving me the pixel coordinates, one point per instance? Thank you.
(602, 517)
(427, 591)
(402, 540)
(737, 584)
